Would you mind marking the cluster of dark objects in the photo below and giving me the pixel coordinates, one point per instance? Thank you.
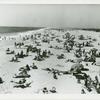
(69, 42)
(19, 44)
(18, 55)
(55, 72)
(46, 91)
(23, 75)
(89, 84)
(41, 54)
(89, 56)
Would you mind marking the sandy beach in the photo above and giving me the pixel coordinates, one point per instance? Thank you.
(40, 78)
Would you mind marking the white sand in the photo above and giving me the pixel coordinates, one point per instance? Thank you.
(39, 77)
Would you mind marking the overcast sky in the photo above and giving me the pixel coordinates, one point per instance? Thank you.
(78, 16)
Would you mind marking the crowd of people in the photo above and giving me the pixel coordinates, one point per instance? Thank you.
(69, 44)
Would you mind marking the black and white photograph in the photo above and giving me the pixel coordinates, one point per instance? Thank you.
(49, 49)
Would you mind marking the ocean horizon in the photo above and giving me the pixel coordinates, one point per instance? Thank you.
(7, 29)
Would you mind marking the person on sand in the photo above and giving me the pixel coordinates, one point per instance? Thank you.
(16, 58)
(93, 59)
(19, 45)
(1, 81)
(22, 85)
(49, 52)
(78, 81)
(12, 59)
(45, 90)
(98, 89)
(27, 51)
(8, 49)
(22, 81)
(83, 44)
(39, 52)
(21, 54)
(53, 90)
(27, 67)
(83, 51)
(83, 92)
(54, 74)
(15, 44)
(44, 53)
(96, 80)
(67, 48)
(88, 83)
(34, 66)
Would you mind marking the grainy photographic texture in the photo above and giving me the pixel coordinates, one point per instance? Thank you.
(49, 49)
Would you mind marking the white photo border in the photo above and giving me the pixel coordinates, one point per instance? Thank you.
(50, 1)
(57, 96)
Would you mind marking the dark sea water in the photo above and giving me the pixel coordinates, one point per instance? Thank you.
(17, 29)
(86, 29)
(23, 29)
